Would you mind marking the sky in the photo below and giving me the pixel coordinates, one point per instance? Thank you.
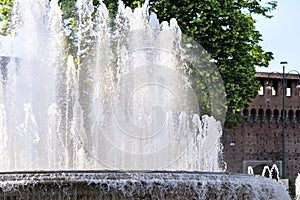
(281, 35)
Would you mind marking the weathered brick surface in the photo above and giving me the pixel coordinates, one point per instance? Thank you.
(259, 136)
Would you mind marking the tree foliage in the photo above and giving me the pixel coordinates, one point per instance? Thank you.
(5, 10)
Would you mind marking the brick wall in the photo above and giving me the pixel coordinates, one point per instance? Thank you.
(258, 139)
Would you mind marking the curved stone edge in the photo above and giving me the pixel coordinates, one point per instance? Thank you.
(135, 184)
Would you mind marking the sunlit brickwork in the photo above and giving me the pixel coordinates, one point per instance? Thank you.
(257, 141)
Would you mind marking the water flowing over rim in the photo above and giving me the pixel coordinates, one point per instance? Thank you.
(139, 184)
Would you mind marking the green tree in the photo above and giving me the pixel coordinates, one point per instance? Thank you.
(5, 10)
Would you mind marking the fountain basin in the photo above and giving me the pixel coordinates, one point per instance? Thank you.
(137, 185)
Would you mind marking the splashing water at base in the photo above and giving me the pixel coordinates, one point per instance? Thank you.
(139, 185)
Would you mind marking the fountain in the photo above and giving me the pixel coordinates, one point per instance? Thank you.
(116, 115)
(272, 172)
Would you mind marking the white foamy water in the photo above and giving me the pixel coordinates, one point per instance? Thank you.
(122, 100)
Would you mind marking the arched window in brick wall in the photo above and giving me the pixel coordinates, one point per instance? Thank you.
(246, 114)
(261, 89)
(298, 116)
(269, 115)
(276, 115)
(281, 115)
(274, 88)
(288, 91)
(291, 116)
(261, 115)
(253, 114)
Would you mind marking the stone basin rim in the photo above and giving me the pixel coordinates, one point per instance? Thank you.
(89, 175)
(138, 184)
(41, 172)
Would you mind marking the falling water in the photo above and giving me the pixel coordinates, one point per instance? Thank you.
(110, 96)
(272, 172)
(29, 87)
(250, 170)
(297, 186)
(123, 100)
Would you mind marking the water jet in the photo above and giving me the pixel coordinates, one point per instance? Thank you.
(114, 117)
